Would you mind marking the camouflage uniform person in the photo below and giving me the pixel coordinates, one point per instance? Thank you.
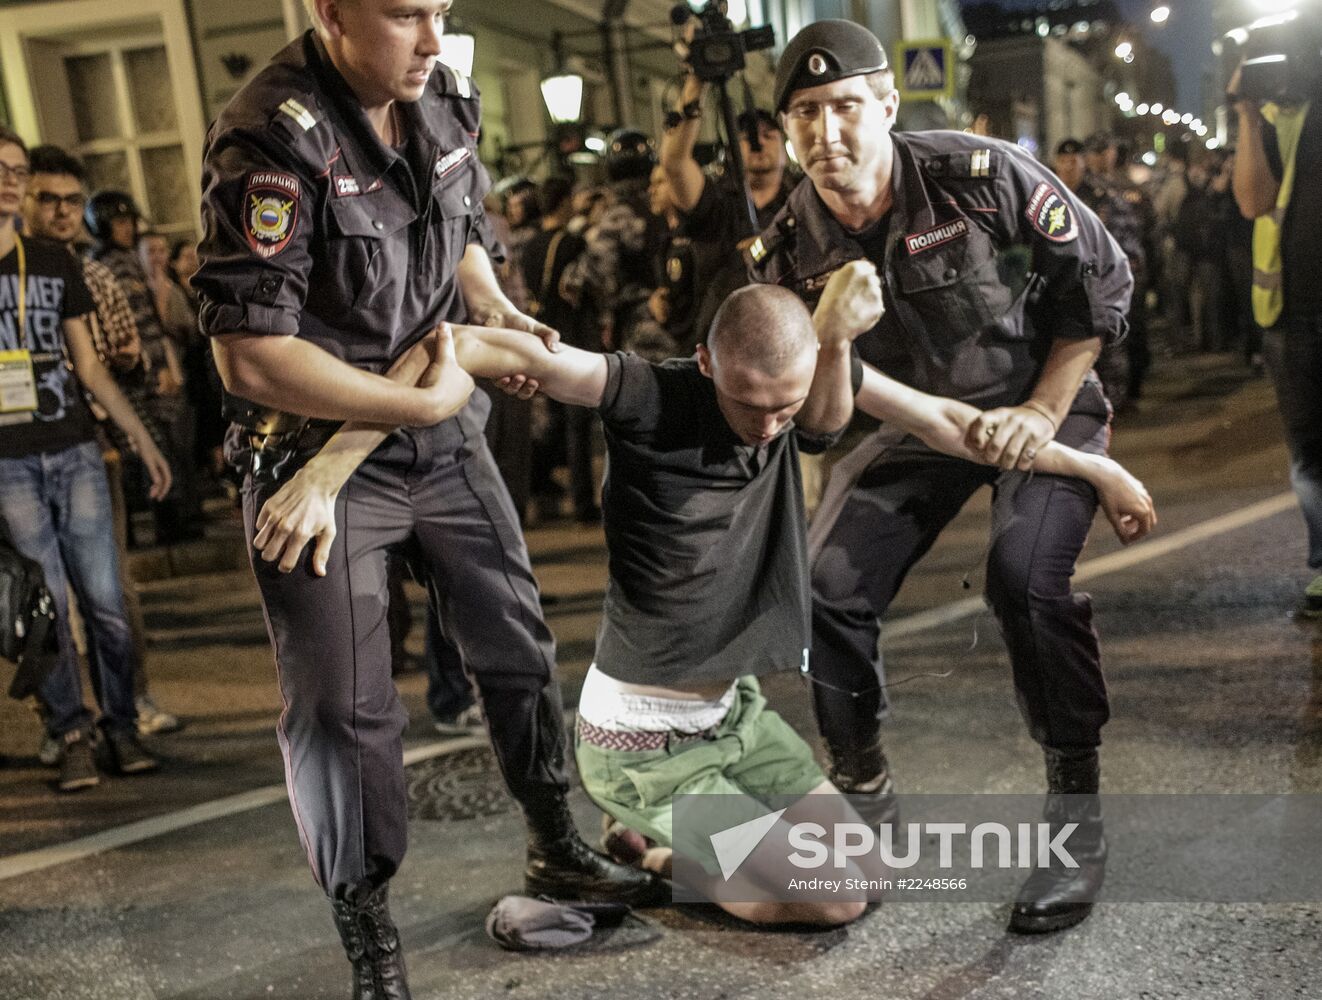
(615, 274)
(1129, 218)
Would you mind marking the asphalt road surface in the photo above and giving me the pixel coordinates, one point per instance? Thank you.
(191, 883)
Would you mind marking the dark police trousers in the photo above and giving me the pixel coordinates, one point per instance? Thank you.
(866, 538)
(341, 730)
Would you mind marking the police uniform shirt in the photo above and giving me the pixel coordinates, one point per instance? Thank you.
(708, 554)
(55, 291)
(313, 227)
(985, 257)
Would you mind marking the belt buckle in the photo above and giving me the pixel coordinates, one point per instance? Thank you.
(674, 739)
(260, 442)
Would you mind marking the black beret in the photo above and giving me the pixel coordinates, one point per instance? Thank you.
(826, 51)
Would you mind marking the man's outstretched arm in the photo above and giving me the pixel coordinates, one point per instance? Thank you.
(942, 424)
(303, 509)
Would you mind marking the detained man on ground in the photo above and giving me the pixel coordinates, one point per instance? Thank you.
(708, 571)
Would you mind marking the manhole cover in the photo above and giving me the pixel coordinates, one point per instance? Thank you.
(461, 785)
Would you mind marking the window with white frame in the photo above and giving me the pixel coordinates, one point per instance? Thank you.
(126, 126)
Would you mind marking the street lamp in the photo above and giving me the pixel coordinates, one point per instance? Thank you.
(1160, 13)
(563, 95)
(562, 91)
(1124, 50)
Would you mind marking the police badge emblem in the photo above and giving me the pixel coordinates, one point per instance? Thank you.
(1050, 215)
(270, 211)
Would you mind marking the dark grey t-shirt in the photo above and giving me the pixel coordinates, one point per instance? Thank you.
(708, 552)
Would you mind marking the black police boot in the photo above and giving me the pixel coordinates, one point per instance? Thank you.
(865, 776)
(371, 943)
(1057, 897)
(561, 866)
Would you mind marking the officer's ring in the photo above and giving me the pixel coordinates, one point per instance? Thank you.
(990, 430)
(1030, 453)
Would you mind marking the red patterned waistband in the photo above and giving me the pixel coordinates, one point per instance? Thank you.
(635, 742)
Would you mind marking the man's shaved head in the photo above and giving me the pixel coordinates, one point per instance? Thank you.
(761, 354)
(761, 326)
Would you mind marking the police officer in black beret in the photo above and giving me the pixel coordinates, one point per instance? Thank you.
(343, 222)
(1000, 289)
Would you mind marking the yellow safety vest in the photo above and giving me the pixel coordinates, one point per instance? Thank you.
(1268, 290)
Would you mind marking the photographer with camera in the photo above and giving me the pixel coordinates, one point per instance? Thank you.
(714, 209)
(718, 212)
(1275, 92)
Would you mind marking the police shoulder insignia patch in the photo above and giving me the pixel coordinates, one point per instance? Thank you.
(1050, 214)
(270, 211)
(300, 114)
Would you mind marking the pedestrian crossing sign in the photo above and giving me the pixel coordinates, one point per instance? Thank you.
(926, 69)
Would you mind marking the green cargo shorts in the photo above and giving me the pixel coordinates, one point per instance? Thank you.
(753, 753)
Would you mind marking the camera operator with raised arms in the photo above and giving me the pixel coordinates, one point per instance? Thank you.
(1275, 91)
(719, 213)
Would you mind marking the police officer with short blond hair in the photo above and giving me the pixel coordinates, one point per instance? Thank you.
(343, 221)
(1000, 289)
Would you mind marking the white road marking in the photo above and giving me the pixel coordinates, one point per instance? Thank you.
(1141, 552)
(232, 805)
(132, 833)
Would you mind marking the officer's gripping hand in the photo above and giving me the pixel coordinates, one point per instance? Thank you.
(1010, 436)
(302, 510)
(444, 387)
(850, 306)
(1125, 501)
(509, 318)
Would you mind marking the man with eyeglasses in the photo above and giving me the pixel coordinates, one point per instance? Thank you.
(53, 210)
(54, 503)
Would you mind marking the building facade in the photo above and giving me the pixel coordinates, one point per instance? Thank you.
(131, 86)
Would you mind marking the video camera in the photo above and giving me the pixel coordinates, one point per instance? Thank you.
(1280, 55)
(717, 51)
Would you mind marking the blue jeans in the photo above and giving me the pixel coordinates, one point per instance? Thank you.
(1293, 352)
(57, 509)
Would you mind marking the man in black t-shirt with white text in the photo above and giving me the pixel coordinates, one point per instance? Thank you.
(53, 495)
